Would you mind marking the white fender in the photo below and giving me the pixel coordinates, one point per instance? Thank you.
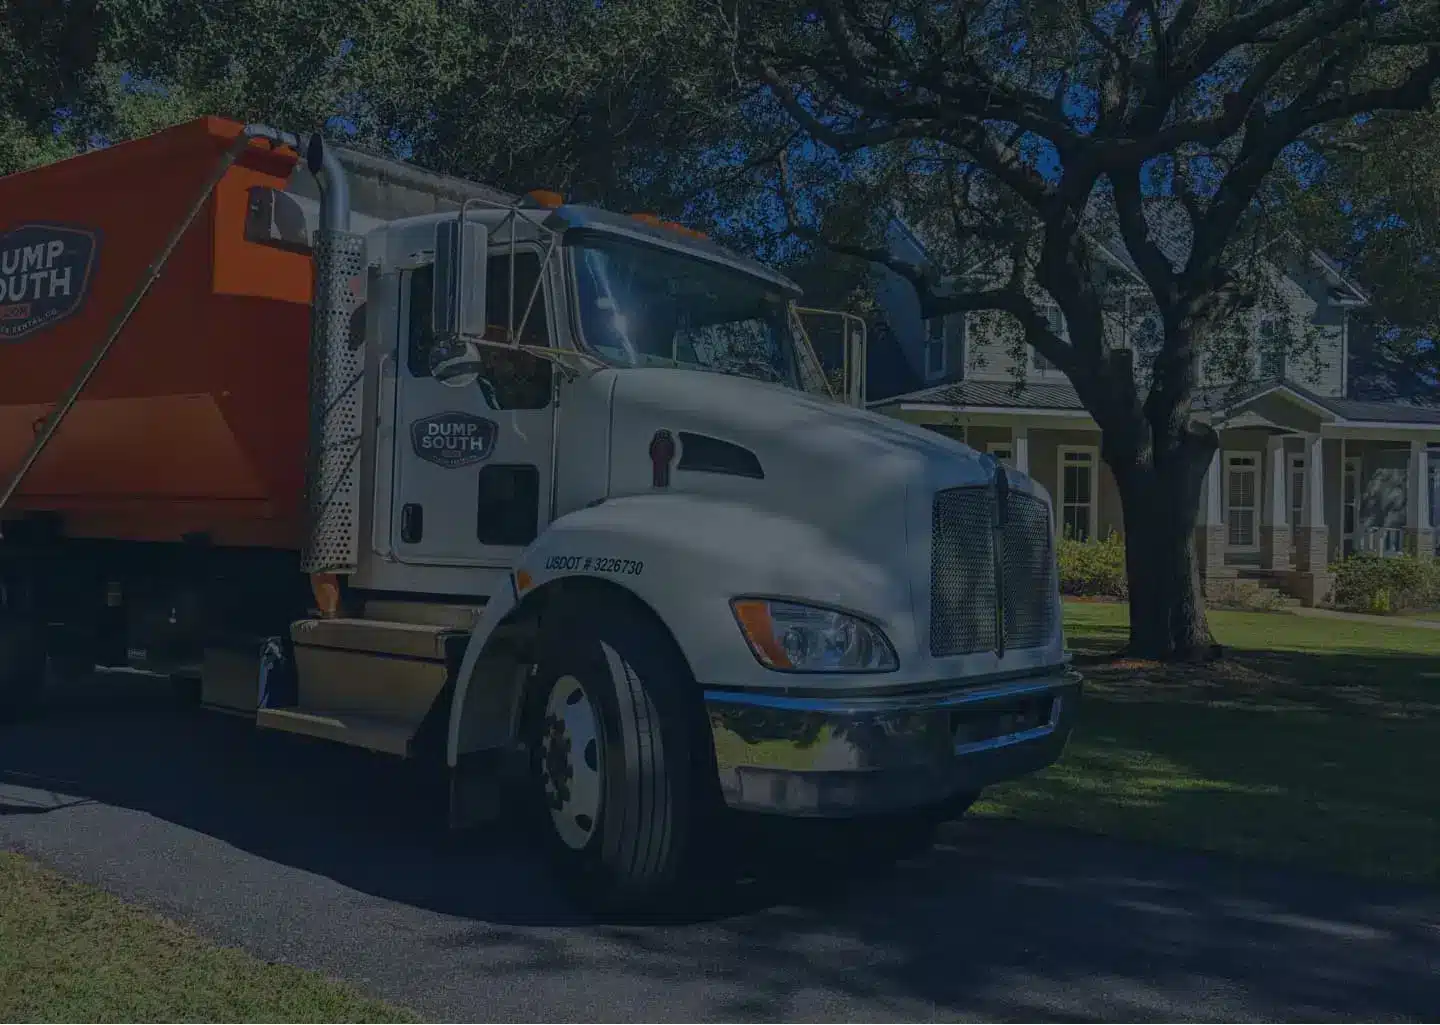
(686, 557)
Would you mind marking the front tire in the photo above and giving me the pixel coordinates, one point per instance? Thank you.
(617, 786)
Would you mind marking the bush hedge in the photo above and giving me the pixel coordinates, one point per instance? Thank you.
(1093, 569)
(1369, 583)
(1363, 582)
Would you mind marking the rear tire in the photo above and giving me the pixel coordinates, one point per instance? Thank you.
(22, 666)
(616, 785)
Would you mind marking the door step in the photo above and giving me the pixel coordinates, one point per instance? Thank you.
(385, 734)
(376, 637)
(457, 616)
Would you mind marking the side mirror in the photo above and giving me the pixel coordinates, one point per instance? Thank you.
(460, 250)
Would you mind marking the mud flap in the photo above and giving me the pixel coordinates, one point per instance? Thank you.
(477, 788)
(279, 685)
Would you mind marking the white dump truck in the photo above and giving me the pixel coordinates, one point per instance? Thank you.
(515, 484)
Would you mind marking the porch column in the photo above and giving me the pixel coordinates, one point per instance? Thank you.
(1419, 537)
(1210, 528)
(1311, 537)
(1311, 581)
(1020, 447)
(1275, 515)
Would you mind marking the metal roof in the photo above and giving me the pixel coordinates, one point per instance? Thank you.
(1001, 395)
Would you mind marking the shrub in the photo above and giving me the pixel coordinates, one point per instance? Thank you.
(1369, 583)
(1093, 568)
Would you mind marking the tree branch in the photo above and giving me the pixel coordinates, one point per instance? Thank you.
(1135, 230)
(1264, 144)
(1010, 298)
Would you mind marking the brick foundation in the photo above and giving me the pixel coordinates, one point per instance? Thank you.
(1275, 547)
(1210, 551)
(1311, 588)
(1312, 549)
(1215, 576)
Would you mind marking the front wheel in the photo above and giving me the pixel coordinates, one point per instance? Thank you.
(617, 782)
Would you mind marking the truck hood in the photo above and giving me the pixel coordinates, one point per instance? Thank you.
(865, 479)
(790, 425)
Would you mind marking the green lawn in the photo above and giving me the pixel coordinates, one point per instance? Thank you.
(1315, 741)
(72, 953)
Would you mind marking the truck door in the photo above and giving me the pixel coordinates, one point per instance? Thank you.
(472, 461)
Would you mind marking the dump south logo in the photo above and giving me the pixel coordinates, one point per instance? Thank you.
(45, 272)
(453, 440)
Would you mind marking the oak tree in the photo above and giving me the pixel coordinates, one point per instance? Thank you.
(1028, 132)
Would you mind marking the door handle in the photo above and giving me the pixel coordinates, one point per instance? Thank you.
(412, 522)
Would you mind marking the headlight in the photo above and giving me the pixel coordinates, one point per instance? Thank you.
(805, 639)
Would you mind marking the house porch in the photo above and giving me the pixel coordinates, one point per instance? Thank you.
(1293, 488)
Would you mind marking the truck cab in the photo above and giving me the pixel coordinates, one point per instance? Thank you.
(618, 434)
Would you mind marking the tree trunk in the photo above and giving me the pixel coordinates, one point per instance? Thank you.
(1167, 603)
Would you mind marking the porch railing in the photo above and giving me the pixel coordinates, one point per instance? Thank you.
(1382, 541)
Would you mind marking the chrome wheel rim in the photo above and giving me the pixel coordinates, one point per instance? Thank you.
(572, 762)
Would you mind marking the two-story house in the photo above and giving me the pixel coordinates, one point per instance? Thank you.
(1305, 474)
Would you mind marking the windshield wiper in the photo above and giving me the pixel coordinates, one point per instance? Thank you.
(749, 368)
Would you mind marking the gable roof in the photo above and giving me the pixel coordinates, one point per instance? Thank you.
(1220, 400)
(1171, 232)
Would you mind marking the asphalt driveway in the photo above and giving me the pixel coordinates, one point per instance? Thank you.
(327, 859)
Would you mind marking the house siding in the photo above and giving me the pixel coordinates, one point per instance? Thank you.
(1321, 367)
(1316, 360)
(990, 355)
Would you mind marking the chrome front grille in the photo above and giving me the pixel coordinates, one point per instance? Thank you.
(975, 566)
(962, 572)
(1027, 566)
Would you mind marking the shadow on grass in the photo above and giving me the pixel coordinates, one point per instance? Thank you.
(1324, 756)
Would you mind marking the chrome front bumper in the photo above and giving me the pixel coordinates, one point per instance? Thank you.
(839, 756)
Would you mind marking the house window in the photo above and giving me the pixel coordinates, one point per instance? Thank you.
(1350, 505)
(934, 348)
(1432, 470)
(1146, 342)
(1272, 349)
(1077, 493)
(1241, 479)
(1297, 489)
(1055, 320)
(1005, 453)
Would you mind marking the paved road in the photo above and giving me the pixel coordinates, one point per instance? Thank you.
(319, 858)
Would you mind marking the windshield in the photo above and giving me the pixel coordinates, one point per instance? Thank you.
(645, 306)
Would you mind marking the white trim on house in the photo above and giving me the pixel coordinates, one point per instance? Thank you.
(1352, 469)
(1003, 451)
(1344, 352)
(1323, 412)
(1008, 411)
(1366, 430)
(1092, 507)
(1295, 464)
(932, 342)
